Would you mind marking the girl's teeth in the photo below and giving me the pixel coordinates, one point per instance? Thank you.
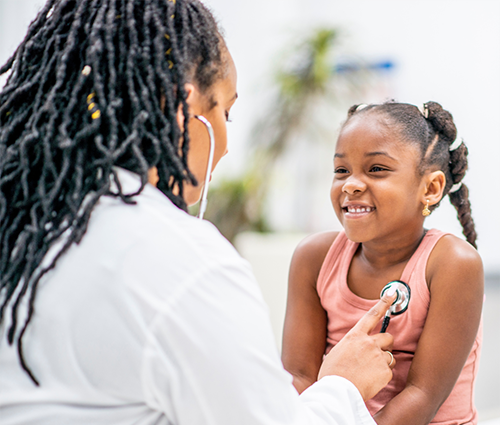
(359, 209)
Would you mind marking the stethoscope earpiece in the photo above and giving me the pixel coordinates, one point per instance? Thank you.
(400, 304)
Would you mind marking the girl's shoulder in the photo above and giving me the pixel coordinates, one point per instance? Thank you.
(312, 250)
(452, 256)
(316, 245)
(452, 249)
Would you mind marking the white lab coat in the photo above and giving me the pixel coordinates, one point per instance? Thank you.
(154, 318)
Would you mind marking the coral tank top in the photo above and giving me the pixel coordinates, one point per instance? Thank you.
(344, 309)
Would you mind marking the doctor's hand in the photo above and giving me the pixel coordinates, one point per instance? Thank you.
(362, 358)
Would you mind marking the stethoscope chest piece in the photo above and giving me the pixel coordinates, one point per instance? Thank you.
(400, 304)
(403, 292)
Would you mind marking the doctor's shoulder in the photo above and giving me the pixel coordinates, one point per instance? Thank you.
(200, 238)
(309, 256)
(455, 265)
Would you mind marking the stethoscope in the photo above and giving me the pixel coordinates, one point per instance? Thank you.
(204, 193)
(400, 304)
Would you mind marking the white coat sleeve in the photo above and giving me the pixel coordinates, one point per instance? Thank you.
(212, 360)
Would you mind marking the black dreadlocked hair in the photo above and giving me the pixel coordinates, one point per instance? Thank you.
(94, 85)
(433, 133)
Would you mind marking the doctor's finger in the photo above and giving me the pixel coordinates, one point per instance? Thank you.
(385, 341)
(372, 318)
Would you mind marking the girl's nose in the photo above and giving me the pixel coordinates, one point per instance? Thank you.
(353, 185)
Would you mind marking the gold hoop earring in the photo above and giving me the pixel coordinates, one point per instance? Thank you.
(426, 211)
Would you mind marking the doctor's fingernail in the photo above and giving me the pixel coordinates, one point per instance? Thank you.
(391, 291)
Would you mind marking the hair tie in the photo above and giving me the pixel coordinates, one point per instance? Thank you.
(360, 107)
(455, 188)
(424, 110)
(456, 144)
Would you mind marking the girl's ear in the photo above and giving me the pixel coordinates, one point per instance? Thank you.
(434, 187)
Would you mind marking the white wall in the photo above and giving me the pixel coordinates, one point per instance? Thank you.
(444, 50)
(15, 16)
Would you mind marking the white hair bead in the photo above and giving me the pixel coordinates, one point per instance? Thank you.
(456, 144)
(455, 187)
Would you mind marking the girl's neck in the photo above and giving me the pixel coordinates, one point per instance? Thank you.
(391, 251)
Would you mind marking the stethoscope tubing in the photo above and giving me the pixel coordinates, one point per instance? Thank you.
(204, 193)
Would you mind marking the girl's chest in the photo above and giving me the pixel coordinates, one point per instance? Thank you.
(367, 282)
(349, 293)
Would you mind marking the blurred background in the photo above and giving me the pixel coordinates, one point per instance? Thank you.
(300, 66)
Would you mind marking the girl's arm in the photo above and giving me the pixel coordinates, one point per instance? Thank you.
(304, 335)
(455, 276)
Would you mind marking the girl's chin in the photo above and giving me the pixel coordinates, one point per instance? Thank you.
(355, 235)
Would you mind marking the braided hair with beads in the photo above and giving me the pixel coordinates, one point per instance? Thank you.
(433, 130)
(95, 85)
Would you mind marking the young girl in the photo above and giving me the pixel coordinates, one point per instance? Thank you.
(393, 164)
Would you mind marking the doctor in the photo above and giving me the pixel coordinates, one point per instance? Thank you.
(117, 307)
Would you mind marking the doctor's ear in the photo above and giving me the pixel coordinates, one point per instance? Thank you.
(195, 103)
(434, 187)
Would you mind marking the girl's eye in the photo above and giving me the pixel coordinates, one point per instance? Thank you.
(340, 171)
(376, 168)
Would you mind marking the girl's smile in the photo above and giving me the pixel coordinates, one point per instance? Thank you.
(356, 210)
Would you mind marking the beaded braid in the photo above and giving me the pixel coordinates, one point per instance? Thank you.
(94, 85)
(442, 123)
(434, 133)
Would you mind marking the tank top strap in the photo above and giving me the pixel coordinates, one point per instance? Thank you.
(415, 269)
(337, 259)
